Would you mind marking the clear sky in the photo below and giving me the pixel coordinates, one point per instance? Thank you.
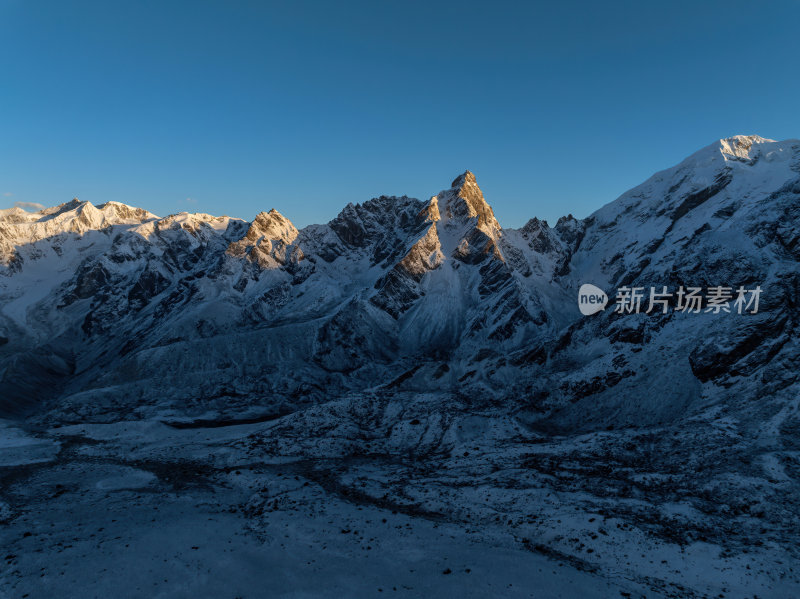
(237, 107)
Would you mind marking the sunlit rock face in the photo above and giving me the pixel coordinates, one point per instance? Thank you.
(268, 240)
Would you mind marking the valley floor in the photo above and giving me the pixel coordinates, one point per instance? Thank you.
(146, 509)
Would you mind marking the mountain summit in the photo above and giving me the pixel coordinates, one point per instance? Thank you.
(467, 201)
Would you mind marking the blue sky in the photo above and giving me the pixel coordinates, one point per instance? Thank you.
(237, 107)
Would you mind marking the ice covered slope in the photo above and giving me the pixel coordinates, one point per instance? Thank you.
(728, 215)
(736, 191)
(110, 310)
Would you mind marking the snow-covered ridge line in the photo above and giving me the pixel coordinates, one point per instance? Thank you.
(80, 216)
(120, 301)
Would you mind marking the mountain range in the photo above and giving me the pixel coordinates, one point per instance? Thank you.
(409, 338)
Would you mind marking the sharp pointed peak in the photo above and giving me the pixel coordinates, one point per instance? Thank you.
(465, 177)
(465, 200)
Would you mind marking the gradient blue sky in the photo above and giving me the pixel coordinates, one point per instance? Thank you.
(237, 107)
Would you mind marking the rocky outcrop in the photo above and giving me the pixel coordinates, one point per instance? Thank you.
(267, 241)
(400, 287)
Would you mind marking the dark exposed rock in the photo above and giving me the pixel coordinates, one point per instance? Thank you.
(696, 198)
(150, 284)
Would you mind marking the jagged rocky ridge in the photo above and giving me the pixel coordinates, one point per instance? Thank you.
(236, 315)
(124, 311)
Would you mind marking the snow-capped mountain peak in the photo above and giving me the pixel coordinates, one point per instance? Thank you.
(119, 213)
(19, 228)
(742, 147)
(465, 200)
(739, 150)
(272, 225)
(267, 239)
